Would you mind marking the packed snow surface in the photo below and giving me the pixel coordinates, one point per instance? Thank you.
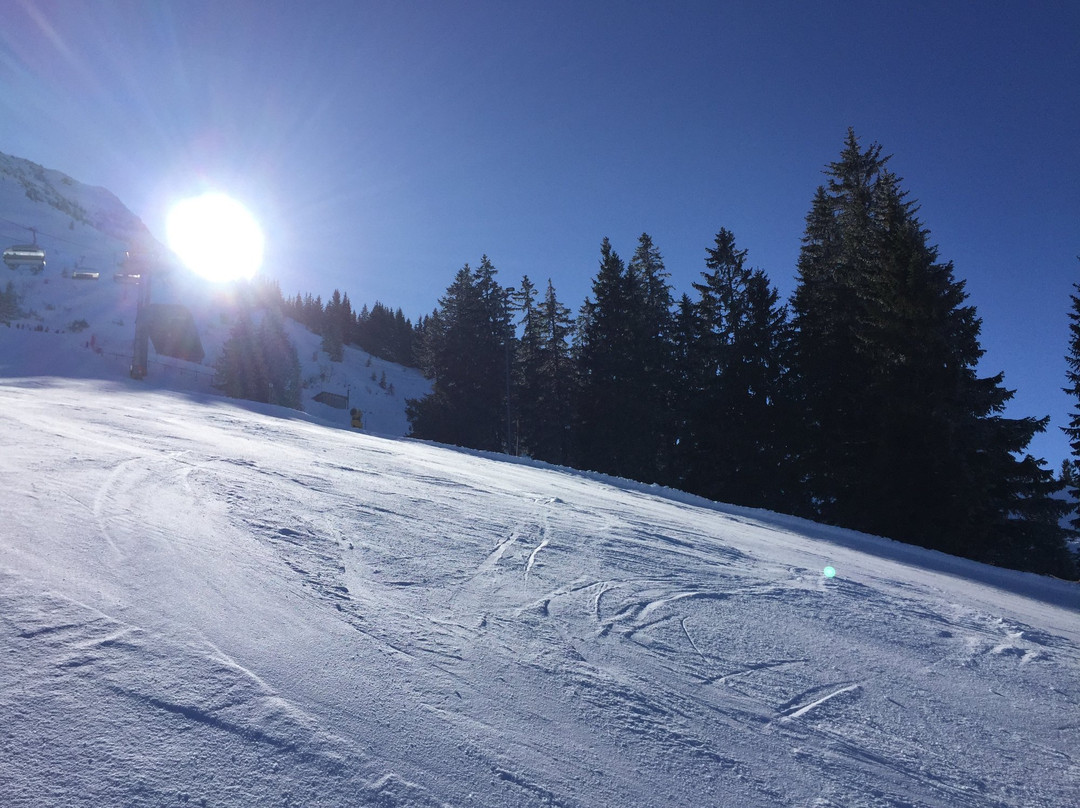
(209, 603)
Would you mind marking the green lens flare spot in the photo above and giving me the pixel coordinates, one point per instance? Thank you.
(829, 572)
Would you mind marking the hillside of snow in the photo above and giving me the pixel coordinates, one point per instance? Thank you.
(209, 603)
(85, 328)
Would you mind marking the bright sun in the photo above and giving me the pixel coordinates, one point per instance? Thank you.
(216, 237)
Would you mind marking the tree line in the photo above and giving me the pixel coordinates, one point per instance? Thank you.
(380, 331)
(259, 362)
(857, 402)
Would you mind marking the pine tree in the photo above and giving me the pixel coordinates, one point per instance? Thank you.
(624, 350)
(558, 371)
(601, 332)
(259, 362)
(1071, 466)
(901, 437)
(526, 380)
(238, 369)
(337, 326)
(543, 375)
(653, 347)
(281, 361)
(731, 445)
(401, 345)
(467, 350)
(832, 349)
(687, 382)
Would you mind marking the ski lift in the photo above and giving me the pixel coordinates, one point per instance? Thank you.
(30, 255)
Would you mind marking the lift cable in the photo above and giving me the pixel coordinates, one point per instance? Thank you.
(50, 235)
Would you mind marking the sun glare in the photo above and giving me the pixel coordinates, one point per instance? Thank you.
(216, 237)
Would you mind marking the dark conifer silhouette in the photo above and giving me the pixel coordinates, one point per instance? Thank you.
(1071, 466)
(901, 437)
(544, 378)
(624, 349)
(467, 350)
(732, 396)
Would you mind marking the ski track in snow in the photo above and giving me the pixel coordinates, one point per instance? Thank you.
(544, 542)
(259, 611)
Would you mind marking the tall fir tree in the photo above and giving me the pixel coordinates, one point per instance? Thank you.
(560, 374)
(543, 375)
(259, 362)
(525, 374)
(1071, 466)
(624, 350)
(604, 369)
(653, 346)
(901, 437)
(732, 443)
(467, 351)
(337, 326)
(686, 381)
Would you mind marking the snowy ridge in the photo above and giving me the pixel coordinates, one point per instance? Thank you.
(72, 204)
(214, 604)
(77, 225)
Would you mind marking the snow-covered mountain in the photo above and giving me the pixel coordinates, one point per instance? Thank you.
(76, 222)
(215, 603)
(73, 325)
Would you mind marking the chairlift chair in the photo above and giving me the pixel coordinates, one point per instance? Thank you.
(30, 255)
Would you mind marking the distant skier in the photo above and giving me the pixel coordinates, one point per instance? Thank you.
(357, 418)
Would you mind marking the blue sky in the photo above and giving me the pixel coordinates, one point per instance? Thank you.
(383, 145)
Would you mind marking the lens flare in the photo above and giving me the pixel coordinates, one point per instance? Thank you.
(216, 237)
(829, 572)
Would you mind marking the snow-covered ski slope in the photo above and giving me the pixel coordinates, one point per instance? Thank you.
(207, 603)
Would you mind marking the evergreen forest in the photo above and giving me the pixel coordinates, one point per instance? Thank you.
(857, 402)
